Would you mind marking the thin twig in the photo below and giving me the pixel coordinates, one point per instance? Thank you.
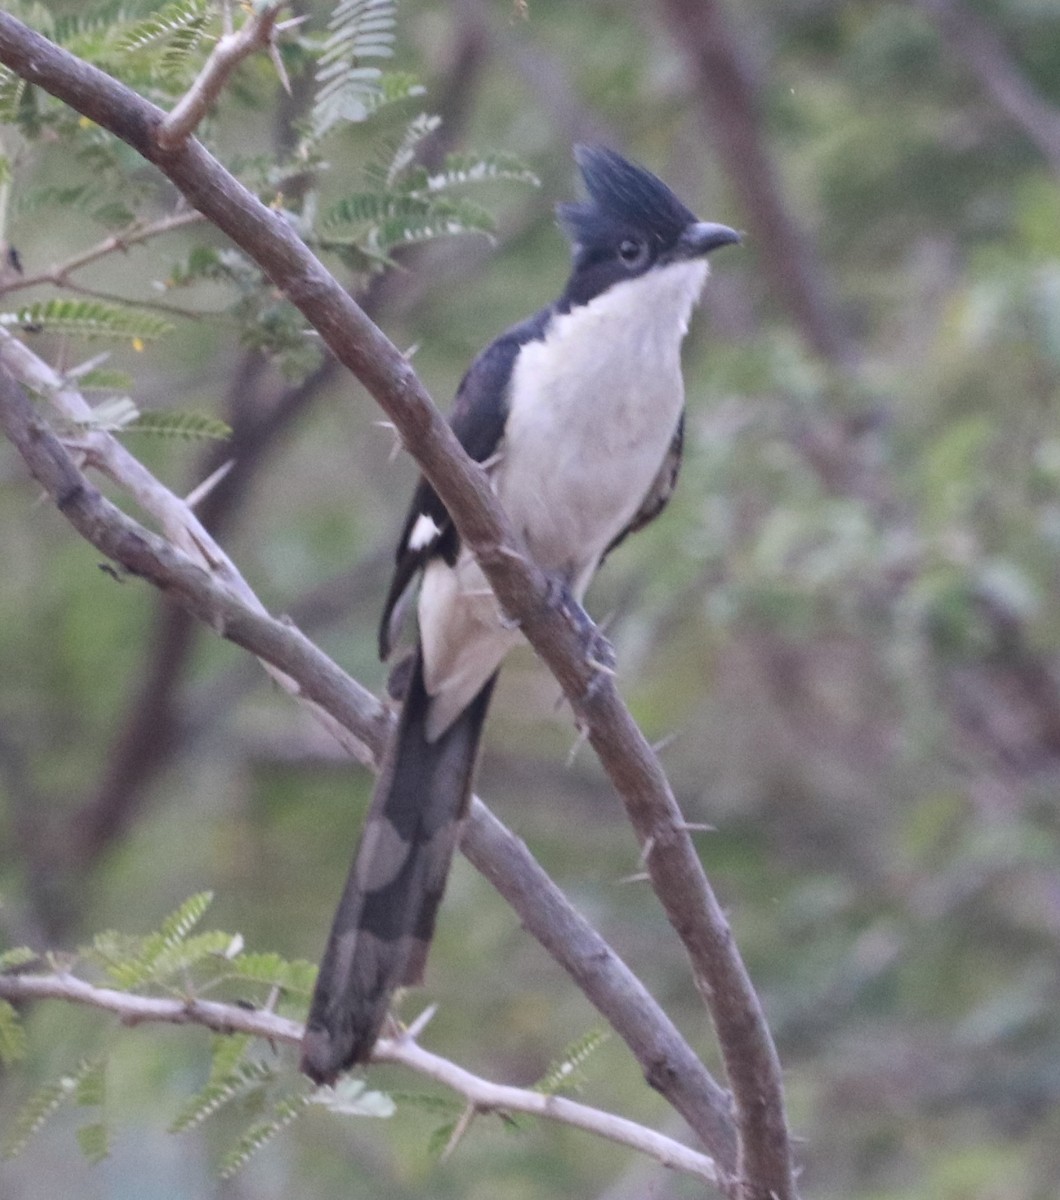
(160, 306)
(134, 235)
(255, 34)
(972, 38)
(481, 1095)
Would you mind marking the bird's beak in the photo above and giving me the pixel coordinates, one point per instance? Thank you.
(703, 237)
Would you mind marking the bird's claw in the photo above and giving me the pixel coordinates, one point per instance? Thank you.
(597, 649)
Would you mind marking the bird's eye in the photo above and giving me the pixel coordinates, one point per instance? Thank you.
(632, 251)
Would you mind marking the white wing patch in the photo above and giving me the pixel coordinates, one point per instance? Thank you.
(423, 532)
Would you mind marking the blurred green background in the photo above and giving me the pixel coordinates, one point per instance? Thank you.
(846, 624)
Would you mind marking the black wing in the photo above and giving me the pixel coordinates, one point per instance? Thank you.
(479, 415)
(661, 490)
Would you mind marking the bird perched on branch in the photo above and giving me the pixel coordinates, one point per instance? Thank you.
(577, 414)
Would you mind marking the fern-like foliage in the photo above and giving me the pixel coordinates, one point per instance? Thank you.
(274, 971)
(182, 958)
(104, 379)
(90, 1091)
(171, 23)
(48, 1098)
(284, 1111)
(86, 319)
(165, 957)
(221, 1090)
(565, 1074)
(12, 1035)
(347, 90)
(190, 426)
(405, 203)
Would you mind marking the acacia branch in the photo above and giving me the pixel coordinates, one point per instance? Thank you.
(693, 910)
(256, 33)
(481, 1095)
(669, 1064)
(134, 235)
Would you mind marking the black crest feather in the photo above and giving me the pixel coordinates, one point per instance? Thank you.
(622, 196)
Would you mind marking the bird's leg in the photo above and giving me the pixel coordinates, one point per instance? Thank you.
(598, 651)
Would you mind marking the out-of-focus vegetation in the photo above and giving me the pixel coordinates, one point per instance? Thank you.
(847, 620)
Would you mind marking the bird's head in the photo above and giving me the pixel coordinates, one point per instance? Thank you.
(632, 223)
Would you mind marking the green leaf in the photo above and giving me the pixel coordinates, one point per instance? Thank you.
(163, 26)
(191, 426)
(351, 1098)
(12, 91)
(219, 1091)
(565, 1075)
(41, 1105)
(183, 919)
(228, 1050)
(86, 318)
(404, 153)
(94, 1141)
(363, 208)
(275, 971)
(262, 1132)
(133, 962)
(461, 169)
(159, 964)
(12, 1035)
(346, 90)
(105, 379)
(91, 1084)
(16, 957)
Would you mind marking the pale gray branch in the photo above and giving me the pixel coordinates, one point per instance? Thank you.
(175, 516)
(482, 1095)
(970, 36)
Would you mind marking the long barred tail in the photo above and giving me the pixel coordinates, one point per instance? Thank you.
(385, 920)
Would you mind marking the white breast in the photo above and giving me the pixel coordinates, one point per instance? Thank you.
(593, 409)
(594, 406)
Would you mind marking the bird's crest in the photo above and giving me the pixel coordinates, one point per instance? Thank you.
(622, 195)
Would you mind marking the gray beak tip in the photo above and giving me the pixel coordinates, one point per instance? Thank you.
(704, 236)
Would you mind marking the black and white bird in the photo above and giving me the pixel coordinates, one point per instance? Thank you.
(577, 414)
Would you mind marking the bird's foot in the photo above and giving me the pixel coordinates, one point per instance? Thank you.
(597, 649)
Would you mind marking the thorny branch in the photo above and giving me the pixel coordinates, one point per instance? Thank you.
(669, 1064)
(481, 1095)
(257, 33)
(677, 875)
(136, 234)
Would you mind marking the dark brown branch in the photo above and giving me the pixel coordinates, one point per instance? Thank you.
(669, 1064)
(973, 41)
(728, 103)
(149, 738)
(677, 875)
